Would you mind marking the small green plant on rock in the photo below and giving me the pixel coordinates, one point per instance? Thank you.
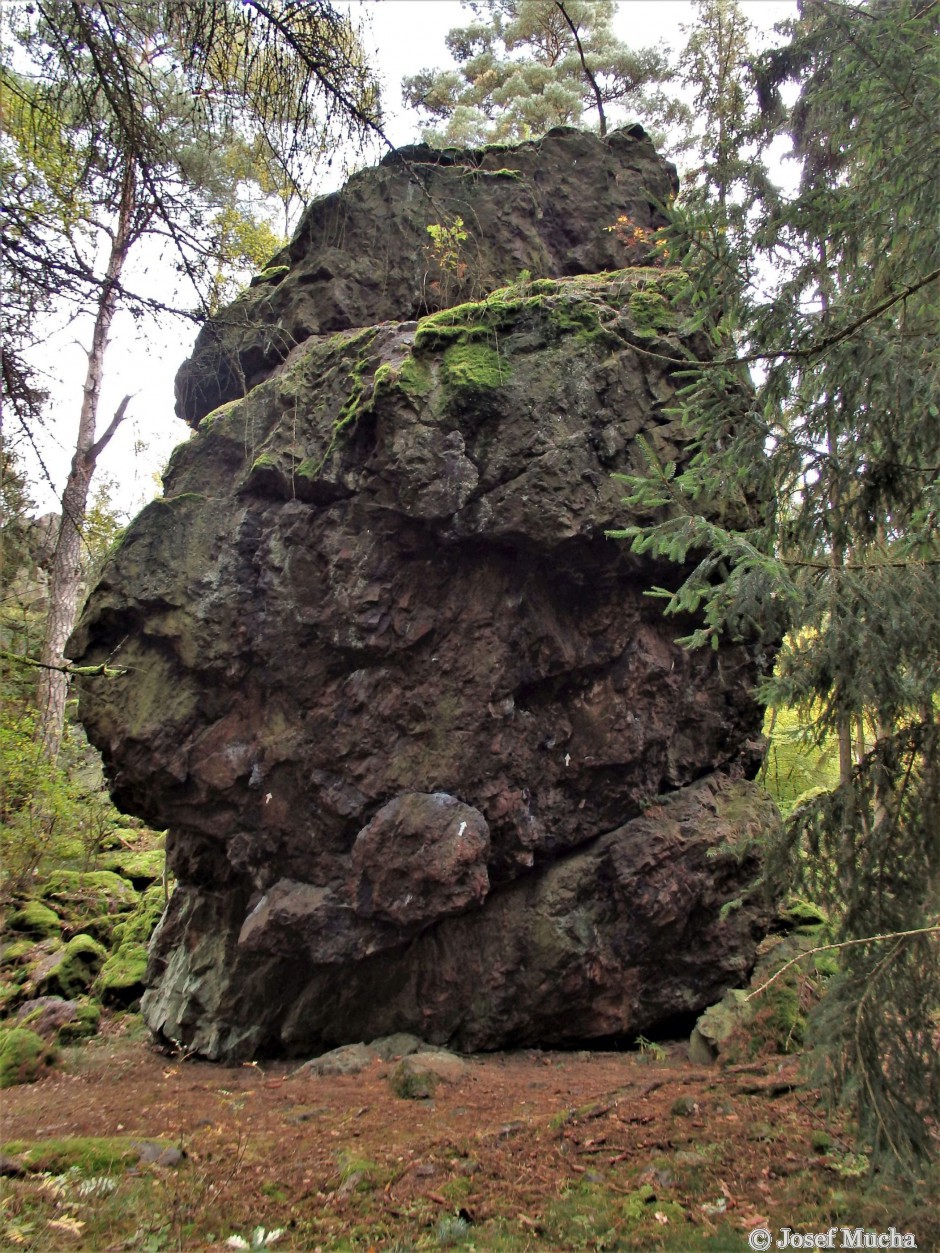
(447, 242)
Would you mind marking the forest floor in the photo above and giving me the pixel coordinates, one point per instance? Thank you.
(524, 1151)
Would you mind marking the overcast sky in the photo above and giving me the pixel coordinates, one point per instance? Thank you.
(406, 36)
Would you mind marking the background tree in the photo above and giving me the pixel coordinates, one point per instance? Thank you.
(148, 119)
(529, 65)
(843, 435)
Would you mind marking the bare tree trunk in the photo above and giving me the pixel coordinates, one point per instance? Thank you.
(598, 98)
(65, 578)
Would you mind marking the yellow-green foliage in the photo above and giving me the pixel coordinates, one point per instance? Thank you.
(794, 765)
(38, 808)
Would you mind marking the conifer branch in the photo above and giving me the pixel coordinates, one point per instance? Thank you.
(824, 948)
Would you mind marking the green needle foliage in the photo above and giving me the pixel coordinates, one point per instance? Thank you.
(825, 473)
(528, 65)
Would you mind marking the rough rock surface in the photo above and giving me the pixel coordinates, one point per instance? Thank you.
(363, 255)
(428, 754)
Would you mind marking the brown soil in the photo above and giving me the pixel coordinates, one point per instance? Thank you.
(531, 1150)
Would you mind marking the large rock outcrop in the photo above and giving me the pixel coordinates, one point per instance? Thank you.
(363, 255)
(429, 757)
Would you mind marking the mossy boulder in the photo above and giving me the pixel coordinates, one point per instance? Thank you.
(59, 1020)
(141, 867)
(769, 1015)
(24, 1056)
(413, 595)
(35, 918)
(89, 892)
(74, 968)
(102, 927)
(121, 981)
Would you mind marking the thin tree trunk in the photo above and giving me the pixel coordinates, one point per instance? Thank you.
(837, 558)
(598, 99)
(65, 578)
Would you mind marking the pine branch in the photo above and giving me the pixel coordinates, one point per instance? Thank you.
(824, 948)
(869, 315)
(810, 350)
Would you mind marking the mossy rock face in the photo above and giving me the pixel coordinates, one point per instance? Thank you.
(35, 918)
(24, 1056)
(91, 892)
(472, 369)
(542, 208)
(74, 969)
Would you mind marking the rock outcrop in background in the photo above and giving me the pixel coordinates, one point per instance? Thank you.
(429, 757)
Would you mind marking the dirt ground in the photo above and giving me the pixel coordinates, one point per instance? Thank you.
(528, 1151)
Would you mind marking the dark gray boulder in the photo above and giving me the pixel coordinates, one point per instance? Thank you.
(409, 716)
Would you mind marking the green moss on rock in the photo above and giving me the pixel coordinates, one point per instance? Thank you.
(272, 275)
(75, 968)
(121, 981)
(35, 918)
(474, 367)
(413, 1085)
(137, 928)
(24, 1056)
(102, 927)
(16, 952)
(92, 892)
(142, 868)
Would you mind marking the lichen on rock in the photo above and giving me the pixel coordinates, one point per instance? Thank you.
(429, 756)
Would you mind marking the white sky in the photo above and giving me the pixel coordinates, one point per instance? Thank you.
(406, 36)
